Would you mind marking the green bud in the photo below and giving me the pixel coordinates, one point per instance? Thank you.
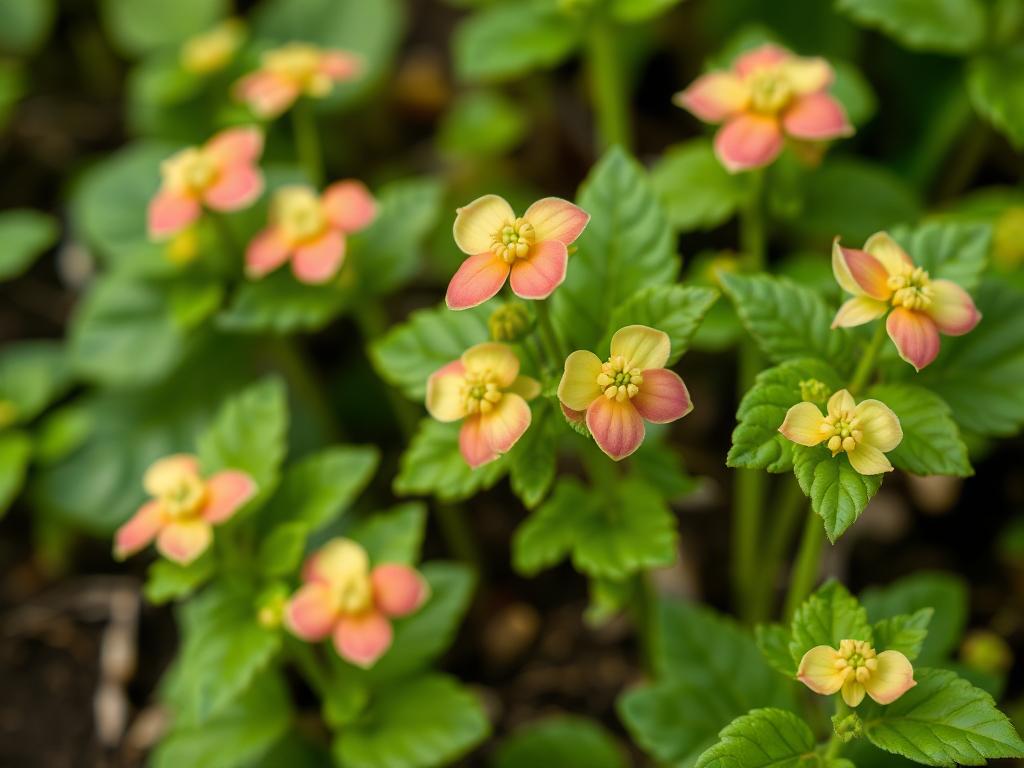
(271, 604)
(848, 727)
(510, 323)
(814, 391)
(986, 651)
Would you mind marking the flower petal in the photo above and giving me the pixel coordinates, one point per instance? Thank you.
(952, 308)
(879, 425)
(495, 358)
(265, 253)
(237, 145)
(763, 57)
(445, 400)
(641, 347)
(312, 612)
(337, 562)
(166, 475)
(349, 206)
(238, 186)
(859, 310)
(266, 94)
(184, 540)
(525, 386)
(226, 492)
(170, 213)
(802, 424)
(139, 531)
(616, 426)
(398, 590)
(893, 677)
(341, 65)
(505, 423)
(473, 444)
(840, 401)
(714, 97)
(859, 273)
(816, 117)
(748, 141)
(885, 249)
(808, 74)
(868, 460)
(476, 223)
(543, 270)
(363, 639)
(573, 416)
(556, 219)
(479, 278)
(915, 335)
(818, 670)
(663, 396)
(578, 387)
(853, 692)
(317, 262)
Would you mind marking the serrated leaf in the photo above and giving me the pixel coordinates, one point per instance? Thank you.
(827, 617)
(763, 738)
(33, 374)
(995, 81)
(433, 465)
(931, 442)
(694, 188)
(956, 251)
(628, 245)
(563, 741)
(393, 536)
(660, 466)
(167, 580)
(942, 721)
(837, 491)
(25, 234)
(675, 309)
(949, 26)
(905, 633)
(15, 454)
(773, 642)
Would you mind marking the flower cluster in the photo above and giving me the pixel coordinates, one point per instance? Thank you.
(293, 71)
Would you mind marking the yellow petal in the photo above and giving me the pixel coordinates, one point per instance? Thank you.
(807, 75)
(477, 223)
(525, 386)
(853, 692)
(893, 677)
(880, 426)
(868, 460)
(841, 401)
(578, 387)
(818, 670)
(492, 358)
(857, 311)
(641, 347)
(884, 248)
(168, 474)
(445, 400)
(803, 423)
(338, 563)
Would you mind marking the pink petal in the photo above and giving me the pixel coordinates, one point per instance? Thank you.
(543, 270)
(473, 444)
(479, 278)
(241, 146)
(139, 531)
(170, 213)
(239, 185)
(319, 261)
(349, 206)
(576, 417)
(663, 396)
(714, 97)
(226, 492)
(556, 219)
(265, 253)
(952, 308)
(915, 335)
(505, 424)
(616, 426)
(312, 612)
(363, 639)
(184, 540)
(748, 141)
(858, 272)
(762, 57)
(398, 590)
(341, 65)
(816, 117)
(266, 94)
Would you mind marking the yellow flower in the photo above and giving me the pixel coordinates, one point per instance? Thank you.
(213, 50)
(856, 669)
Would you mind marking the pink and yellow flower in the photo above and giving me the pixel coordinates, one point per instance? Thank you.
(855, 669)
(342, 597)
(883, 279)
(484, 390)
(865, 431)
(292, 71)
(184, 509)
(617, 396)
(531, 251)
(310, 230)
(769, 94)
(222, 175)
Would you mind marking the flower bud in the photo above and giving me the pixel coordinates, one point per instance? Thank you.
(814, 391)
(986, 651)
(848, 727)
(510, 322)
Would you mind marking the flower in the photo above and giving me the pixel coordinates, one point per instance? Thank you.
(769, 94)
(532, 251)
(310, 230)
(483, 388)
(342, 597)
(294, 70)
(183, 510)
(222, 175)
(856, 669)
(616, 397)
(214, 49)
(865, 431)
(882, 278)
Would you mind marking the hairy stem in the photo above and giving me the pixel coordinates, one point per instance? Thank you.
(608, 90)
(866, 366)
(791, 504)
(548, 334)
(808, 561)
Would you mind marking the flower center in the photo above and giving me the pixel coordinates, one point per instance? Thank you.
(191, 171)
(355, 594)
(513, 240)
(843, 431)
(481, 392)
(770, 91)
(184, 497)
(856, 659)
(298, 214)
(297, 62)
(911, 289)
(617, 381)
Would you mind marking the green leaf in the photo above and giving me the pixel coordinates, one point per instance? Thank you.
(428, 340)
(931, 442)
(282, 550)
(949, 250)
(15, 454)
(24, 27)
(943, 26)
(609, 535)
(773, 641)
(694, 188)
(628, 245)
(564, 741)
(629, 11)
(394, 536)
(995, 82)
(532, 462)
(432, 464)
(661, 467)
(249, 434)
(33, 374)
(424, 721)
(764, 738)
(26, 235)
(905, 633)
(482, 124)
(282, 304)
(942, 721)
(141, 26)
(508, 40)
(169, 581)
(787, 320)
(756, 442)
(855, 93)
(675, 309)
(837, 491)
(827, 617)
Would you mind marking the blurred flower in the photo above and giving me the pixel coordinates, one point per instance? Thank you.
(509, 322)
(531, 250)
(986, 652)
(222, 175)
(342, 597)
(882, 278)
(865, 431)
(769, 94)
(484, 390)
(183, 510)
(616, 397)
(214, 49)
(856, 669)
(1008, 239)
(294, 70)
(183, 247)
(310, 230)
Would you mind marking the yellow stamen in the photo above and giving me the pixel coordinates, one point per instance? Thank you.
(911, 288)
(770, 91)
(297, 213)
(513, 240)
(617, 382)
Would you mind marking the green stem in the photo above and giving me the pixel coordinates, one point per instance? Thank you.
(307, 141)
(808, 560)
(608, 89)
(373, 323)
(314, 672)
(786, 519)
(458, 536)
(866, 366)
(231, 246)
(548, 334)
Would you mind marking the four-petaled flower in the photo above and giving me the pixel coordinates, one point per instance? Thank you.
(221, 175)
(310, 230)
(618, 395)
(769, 94)
(344, 598)
(483, 388)
(883, 278)
(294, 70)
(183, 510)
(856, 669)
(866, 431)
(531, 250)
